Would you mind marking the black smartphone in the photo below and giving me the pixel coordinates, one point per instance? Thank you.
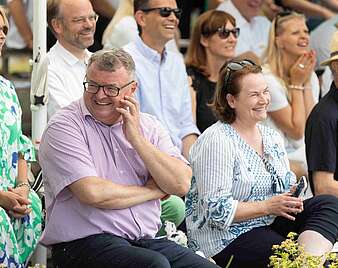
(301, 187)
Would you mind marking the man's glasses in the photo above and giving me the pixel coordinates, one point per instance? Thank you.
(233, 67)
(224, 33)
(165, 11)
(109, 90)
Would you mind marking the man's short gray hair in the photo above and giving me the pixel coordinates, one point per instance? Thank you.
(112, 59)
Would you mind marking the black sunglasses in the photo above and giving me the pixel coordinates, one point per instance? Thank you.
(224, 33)
(165, 11)
(281, 15)
(234, 66)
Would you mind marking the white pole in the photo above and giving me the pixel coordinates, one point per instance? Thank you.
(39, 109)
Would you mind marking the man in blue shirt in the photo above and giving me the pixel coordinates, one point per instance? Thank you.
(162, 78)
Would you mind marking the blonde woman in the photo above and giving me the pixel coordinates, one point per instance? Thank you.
(294, 87)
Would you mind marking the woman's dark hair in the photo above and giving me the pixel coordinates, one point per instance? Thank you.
(229, 82)
(207, 24)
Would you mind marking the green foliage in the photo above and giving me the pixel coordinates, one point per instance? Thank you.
(291, 255)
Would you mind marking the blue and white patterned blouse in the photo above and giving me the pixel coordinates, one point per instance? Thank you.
(226, 170)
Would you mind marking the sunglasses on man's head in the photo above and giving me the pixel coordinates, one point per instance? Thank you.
(165, 11)
(224, 33)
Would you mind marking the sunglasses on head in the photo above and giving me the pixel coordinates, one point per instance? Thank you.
(281, 15)
(224, 33)
(234, 66)
(165, 11)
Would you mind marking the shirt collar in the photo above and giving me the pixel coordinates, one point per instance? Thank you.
(150, 53)
(240, 20)
(69, 58)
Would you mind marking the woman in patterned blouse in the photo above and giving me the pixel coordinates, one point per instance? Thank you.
(240, 202)
(20, 207)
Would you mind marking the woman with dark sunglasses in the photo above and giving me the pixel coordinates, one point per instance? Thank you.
(294, 87)
(241, 199)
(212, 44)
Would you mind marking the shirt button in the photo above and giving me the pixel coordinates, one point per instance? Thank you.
(121, 171)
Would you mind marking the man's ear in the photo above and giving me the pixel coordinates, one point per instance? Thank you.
(140, 18)
(231, 100)
(56, 25)
(133, 88)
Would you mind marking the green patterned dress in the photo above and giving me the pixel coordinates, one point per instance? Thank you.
(18, 237)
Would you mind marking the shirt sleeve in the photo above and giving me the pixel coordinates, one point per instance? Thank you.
(315, 87)
(58, 98)
(321, 156)
(64, 155)
(213, 164)
(160, 137)
(277, 92)
(186, 121)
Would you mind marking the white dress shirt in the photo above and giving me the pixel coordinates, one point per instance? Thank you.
(65, 77)
(254, 35)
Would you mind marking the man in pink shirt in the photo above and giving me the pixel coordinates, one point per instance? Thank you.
(106, 166)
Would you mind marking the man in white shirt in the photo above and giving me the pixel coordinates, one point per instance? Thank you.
(254, 28)
(73, 24)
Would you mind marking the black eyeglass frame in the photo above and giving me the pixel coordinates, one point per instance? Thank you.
(108, 92)
(165, 11)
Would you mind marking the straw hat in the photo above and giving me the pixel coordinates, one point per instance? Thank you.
(333, 49)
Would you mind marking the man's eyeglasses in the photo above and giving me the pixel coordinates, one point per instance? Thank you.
(165, 11)
(83, 19)
(224, 33)
(109, 90)
(235, 66)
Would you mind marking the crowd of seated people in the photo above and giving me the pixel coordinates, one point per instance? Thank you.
(138, 136)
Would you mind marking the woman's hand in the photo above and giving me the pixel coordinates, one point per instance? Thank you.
(15, 204)
(22, 191)
(284, 205)
(302, 69)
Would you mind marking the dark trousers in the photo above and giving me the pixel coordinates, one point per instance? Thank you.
(253, 249)
(107, 250)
